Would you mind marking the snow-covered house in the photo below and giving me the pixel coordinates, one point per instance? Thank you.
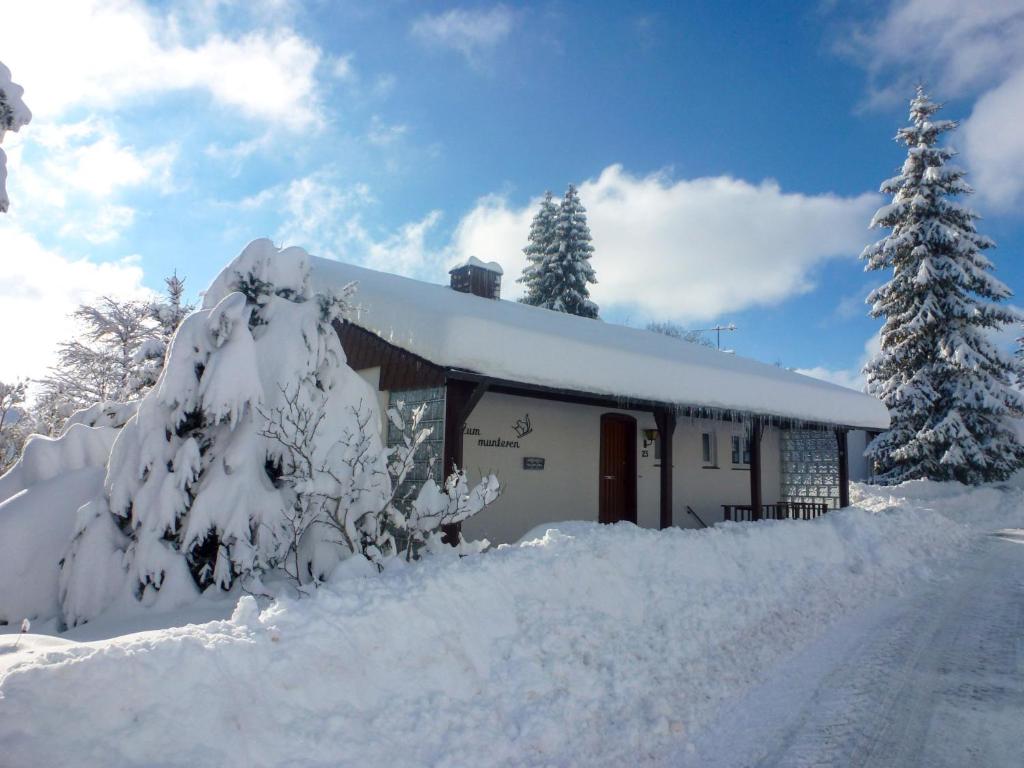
(583, 419)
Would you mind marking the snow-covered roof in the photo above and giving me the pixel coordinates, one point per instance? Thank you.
(513, 341)
(473, 261)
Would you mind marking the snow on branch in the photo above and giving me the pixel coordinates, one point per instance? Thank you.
(13, 115)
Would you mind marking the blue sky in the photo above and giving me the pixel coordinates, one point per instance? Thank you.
(729, 153)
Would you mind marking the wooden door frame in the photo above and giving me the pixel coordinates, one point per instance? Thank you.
(630, 513)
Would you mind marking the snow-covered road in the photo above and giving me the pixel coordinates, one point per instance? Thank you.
(933, 679)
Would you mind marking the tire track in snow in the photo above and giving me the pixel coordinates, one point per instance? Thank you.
(934, 679)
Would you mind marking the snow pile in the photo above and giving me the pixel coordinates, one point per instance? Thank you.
(45, 458)
(39, 497)
(13, 115)
(590, 646)
(509, 340)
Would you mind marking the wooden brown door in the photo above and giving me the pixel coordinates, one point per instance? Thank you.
(617, 480)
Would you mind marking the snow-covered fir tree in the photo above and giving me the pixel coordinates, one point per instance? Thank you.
(258, 450)
(561, 280)
(13, 116)
(167, 314)
(947, 387)
(541, 241)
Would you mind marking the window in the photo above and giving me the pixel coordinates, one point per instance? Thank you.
(708, 454)
(737, 456)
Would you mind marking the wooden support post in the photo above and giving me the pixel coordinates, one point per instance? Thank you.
(844, 469)
(665, 419)
(460, 399)
(755, 470)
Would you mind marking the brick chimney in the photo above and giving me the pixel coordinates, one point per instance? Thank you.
(481, 278)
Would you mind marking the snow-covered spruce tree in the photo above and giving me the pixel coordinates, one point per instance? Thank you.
(13, 115)
(541, 242)
(258, 450)
(946, 385)
(563, 276)
(166, 315)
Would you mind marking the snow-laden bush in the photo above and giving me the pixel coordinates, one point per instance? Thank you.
(13, 115)
(258, 449)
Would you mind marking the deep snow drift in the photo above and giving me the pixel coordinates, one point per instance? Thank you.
(39, 500)
(593, 646)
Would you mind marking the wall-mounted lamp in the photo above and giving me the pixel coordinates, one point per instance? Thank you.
(650, 435)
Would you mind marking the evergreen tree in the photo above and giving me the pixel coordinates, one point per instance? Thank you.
(559, 280)
(946, 385)
(259, 449)
(542, 239)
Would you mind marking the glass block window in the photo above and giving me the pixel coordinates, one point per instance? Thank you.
(810, 467)
(434, 399)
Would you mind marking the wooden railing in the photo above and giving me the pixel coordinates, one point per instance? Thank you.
(783, 510)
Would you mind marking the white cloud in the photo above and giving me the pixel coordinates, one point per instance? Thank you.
(405, 251)
(234, 155)
(469, 32)
(343, 69)
(81, 169)
(687, 249)
(994, 145)
(327, 220)
(40, 289)
(115, 50)
(382, 134)
(90, 156)
(961, 49)
(852, 378)
(849, 378)
(958, 46)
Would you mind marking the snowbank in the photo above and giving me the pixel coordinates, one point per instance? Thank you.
(606, 646)
(39, 498)
(45, 458)
(36, 526)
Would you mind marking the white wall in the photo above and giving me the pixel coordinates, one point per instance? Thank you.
(372, 375)
(705, 488)
(856, 441)
(568, 437)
